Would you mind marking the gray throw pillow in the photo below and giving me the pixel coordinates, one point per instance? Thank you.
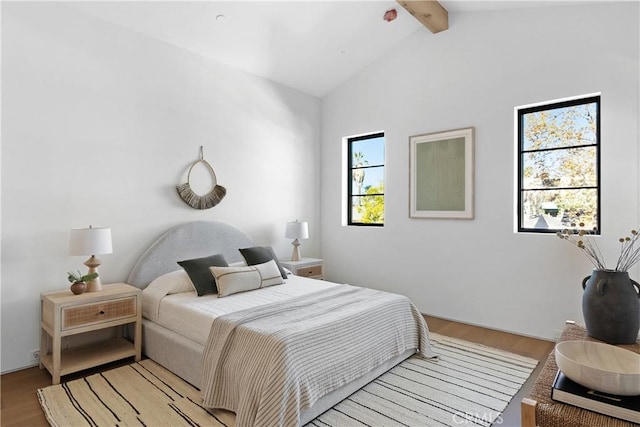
(200, 275)
(260, 255)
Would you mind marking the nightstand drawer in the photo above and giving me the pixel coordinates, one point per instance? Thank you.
(312, 271)
(83, 315)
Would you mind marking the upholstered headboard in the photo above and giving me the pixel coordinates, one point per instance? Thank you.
(185, 241)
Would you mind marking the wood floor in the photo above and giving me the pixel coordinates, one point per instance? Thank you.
(20, 407)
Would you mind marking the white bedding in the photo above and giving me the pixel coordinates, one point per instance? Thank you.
(191, 316)
(269, 364)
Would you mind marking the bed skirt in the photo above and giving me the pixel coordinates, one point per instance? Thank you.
(183, 357)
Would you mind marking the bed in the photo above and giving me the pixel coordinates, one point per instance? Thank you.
(182, 350)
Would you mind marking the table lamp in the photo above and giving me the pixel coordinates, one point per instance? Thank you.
(91, 241)
(296, 230)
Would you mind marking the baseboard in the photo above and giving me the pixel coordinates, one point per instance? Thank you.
(8, 371)
(490, 328)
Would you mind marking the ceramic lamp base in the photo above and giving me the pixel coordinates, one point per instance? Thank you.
(295, 256)
(93, 263)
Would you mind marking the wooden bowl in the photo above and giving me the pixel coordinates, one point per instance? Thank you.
(600, 367)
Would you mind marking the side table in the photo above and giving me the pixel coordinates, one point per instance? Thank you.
(539, 410)
(306, 267)
(64, 314)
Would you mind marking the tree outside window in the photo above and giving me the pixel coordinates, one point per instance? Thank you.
(559, 166)
(366, 180)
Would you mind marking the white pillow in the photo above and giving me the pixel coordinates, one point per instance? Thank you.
(238, 264)
(170, 283)
(231, 280)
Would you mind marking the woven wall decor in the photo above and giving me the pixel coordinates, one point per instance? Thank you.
(197, 201)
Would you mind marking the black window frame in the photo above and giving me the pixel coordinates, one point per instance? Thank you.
(597, 145)
(350, 170)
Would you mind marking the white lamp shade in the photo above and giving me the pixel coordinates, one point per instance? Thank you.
(297, 230)
(90, 241)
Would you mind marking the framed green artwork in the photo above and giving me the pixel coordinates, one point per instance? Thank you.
(441, 174)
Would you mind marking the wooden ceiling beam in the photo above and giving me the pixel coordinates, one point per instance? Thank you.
(429, 12)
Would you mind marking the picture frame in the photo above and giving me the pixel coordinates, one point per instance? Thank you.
(441, 169)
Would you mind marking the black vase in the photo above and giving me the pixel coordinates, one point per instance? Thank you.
(611, 306)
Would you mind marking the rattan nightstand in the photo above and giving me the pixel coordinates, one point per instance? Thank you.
(306, 267)
(64, 314)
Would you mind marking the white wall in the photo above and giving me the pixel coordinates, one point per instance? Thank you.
(99, 124)
(474, 74)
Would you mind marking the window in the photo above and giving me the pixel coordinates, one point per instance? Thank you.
(365, 176)
(559, 166)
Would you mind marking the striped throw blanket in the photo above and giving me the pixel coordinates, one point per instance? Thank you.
(270, 363)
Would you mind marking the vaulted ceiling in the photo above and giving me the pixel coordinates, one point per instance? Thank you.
(312, 46)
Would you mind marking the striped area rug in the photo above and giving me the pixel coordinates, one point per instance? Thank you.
(468, 385)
